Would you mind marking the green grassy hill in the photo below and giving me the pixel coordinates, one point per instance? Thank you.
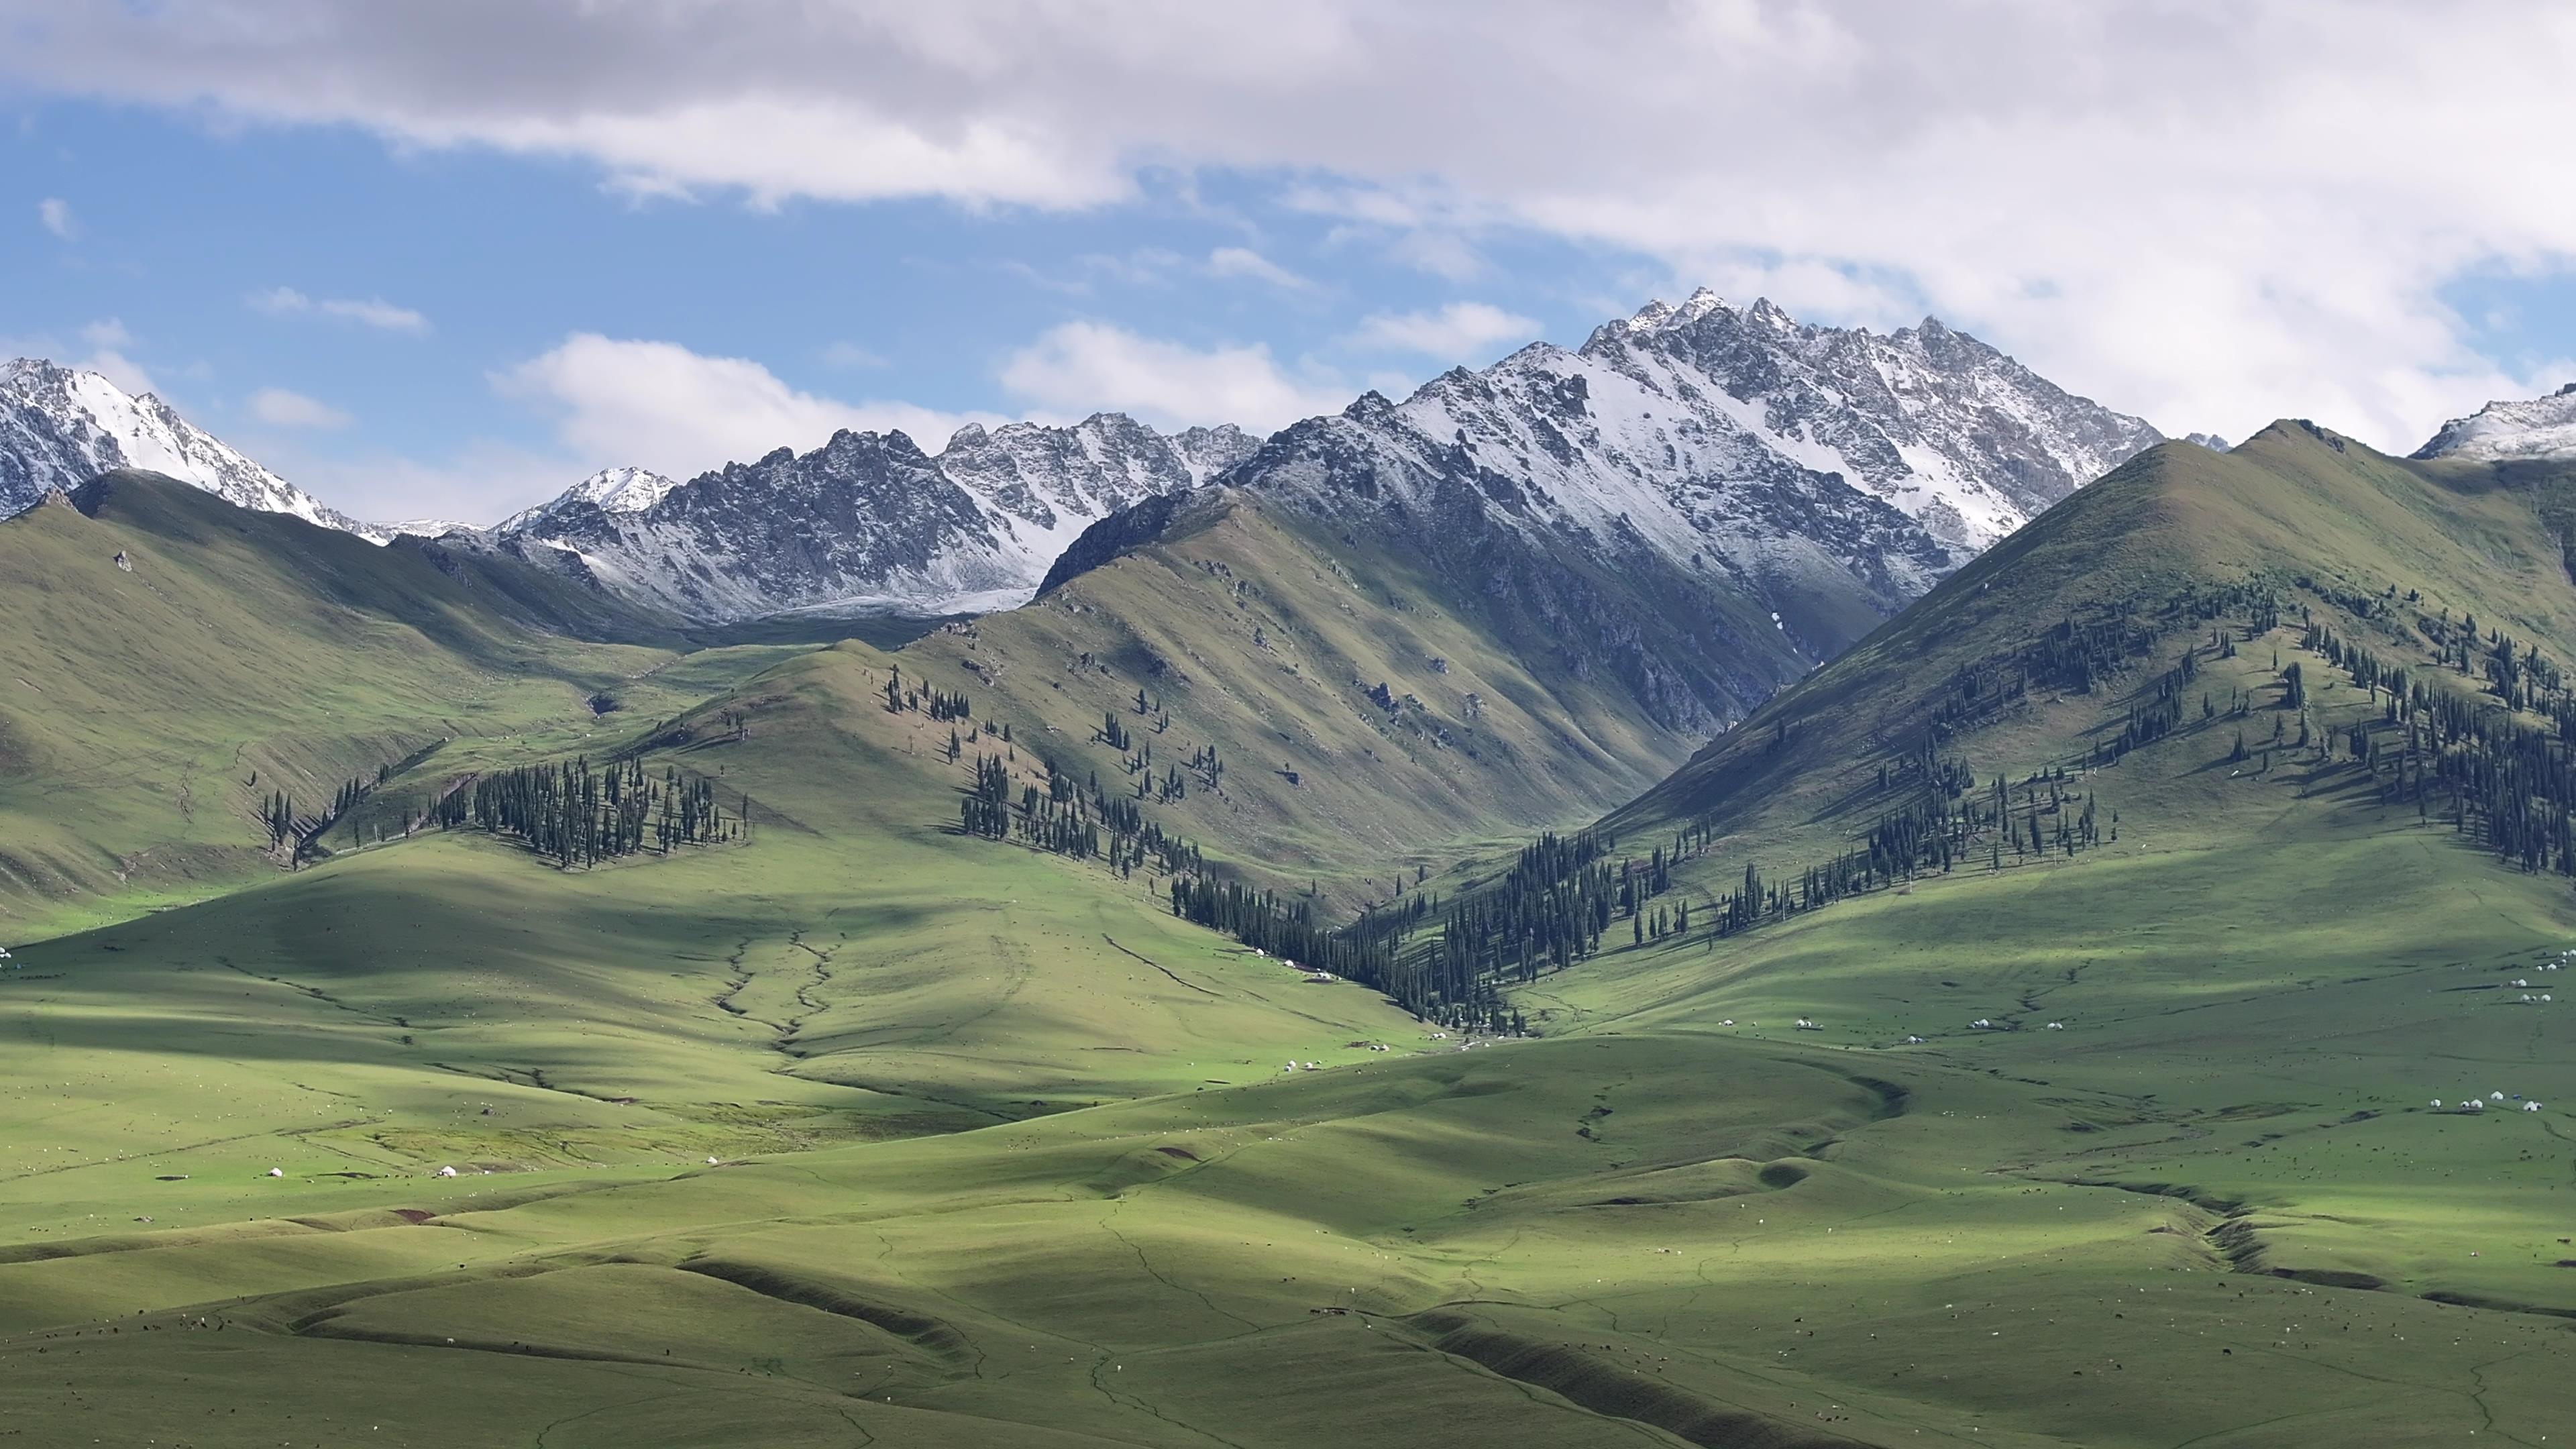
(1373, 718)
(147, 712)
(2313, 518)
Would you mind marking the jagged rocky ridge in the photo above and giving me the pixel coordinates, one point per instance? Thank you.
(62, 426)
(866, 522)
(2543, 427)
(1815, 467)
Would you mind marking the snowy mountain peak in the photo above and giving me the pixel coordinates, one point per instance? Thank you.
(1957, 435)
(1659, 315)
(62, 426)
(2541, 427)
(623, 490)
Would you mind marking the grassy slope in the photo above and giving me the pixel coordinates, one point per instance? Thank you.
(1651, 1229)
(2263, 985)
(135, 706)
(1261, 637)
(2290, 502)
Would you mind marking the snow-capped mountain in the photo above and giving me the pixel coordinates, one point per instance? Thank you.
(1960, 437)
(1704, 500)
(61, 426)
(610, 490)
(868, 521)
(2543, 427)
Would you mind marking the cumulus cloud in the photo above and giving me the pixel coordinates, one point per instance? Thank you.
(2207, 213)
(371, 312)
(1081, 367)
(108, 343)
(280, 408)
(661, 406)
(56, 214)
(1457, 332)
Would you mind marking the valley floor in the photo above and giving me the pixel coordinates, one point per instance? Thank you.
(1005, 1155)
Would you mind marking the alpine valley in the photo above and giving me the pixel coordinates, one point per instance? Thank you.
(1741, 884)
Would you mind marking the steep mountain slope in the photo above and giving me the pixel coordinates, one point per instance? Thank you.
(867, 522)
(165, 647)
(2322, 522)
(1365, 709)
(2540, 428)
(60, 427)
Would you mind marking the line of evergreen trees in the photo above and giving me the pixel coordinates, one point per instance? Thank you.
(1932, 836)
(286, 828)
(1070, 818)
(943, 705)
(2507, 785)
(575, 814)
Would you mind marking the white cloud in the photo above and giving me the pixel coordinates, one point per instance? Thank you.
(1081, 367)
(851, 354)
(280, 408)
(372, 311)
(659, 405)
(56, 214)
(2208, 213)
(1245, 262)
(1457, 332)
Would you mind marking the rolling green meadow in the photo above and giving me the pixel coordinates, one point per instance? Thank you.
(858, 1129)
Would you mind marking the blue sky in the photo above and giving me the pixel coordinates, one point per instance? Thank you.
(422, 280)
(445, 260)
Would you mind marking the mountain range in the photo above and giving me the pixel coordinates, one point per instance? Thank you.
(868, 522)
(1729, 440)
(1827, 474)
